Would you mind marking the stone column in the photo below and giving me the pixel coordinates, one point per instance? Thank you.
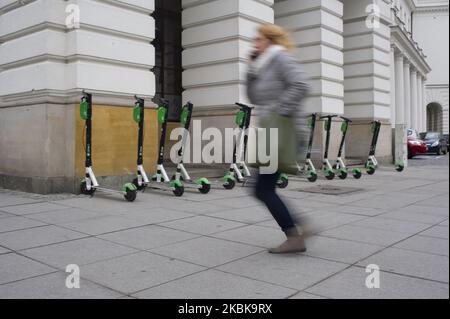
(317, 27)
(393, 88)
(52, 49)
(414, 97)
(420, 105)
(424, 101)
(367, 57)
(217, 40)
(401, 153)
(407, 92)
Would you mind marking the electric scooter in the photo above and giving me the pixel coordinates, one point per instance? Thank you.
(309, 169)
(90, 184)
(372, 163)
(340, 167)
(238, 173)
(203, 184)
(142, 182)
(327, 167)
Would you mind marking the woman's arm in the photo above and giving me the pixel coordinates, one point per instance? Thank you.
(296, 84)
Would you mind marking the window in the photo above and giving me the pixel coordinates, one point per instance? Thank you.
(168, 67)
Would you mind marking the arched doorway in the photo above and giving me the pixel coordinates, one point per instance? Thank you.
(434, 117)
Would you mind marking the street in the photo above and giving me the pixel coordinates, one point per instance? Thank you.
(387, 237)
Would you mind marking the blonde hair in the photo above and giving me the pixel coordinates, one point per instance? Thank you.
(277, 35)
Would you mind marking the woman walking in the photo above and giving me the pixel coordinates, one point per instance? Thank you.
(277, 84)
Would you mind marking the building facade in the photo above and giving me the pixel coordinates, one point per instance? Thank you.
(363, 58)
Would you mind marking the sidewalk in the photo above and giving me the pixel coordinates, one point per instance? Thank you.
(214, 246)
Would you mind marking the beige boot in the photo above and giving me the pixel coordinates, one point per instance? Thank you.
(295, 243)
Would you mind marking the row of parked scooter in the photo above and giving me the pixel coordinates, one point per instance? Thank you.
(238, 172)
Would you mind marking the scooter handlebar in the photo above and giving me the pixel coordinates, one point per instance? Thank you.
(346, 119)
(161, 100)
(328, 117)
(244, 106)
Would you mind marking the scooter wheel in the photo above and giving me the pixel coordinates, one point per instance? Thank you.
(85, 191)
(400, 168)
(357, 174)
(343, 175)
(229, 184)
(312, 178)
(136, 183)
(330, 176)
(205, 188)
(283, 183)
(178, 191)
(371, 170)
(130, 196)
(174, 178)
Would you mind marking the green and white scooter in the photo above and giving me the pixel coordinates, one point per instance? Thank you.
(340, 168)
(242, 173)
(239, 173)
(309, 170)
(90, 184)
(203, 184)
(327, 167)
(160, 178)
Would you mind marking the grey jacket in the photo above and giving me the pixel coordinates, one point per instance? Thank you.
(281, 87)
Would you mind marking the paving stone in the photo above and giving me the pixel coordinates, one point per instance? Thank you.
(339, 250)
(356, 210)
(137, 272)
(53, 286)
(4, 215)
(438, 201)
(34, 237)
(203, 225)
(196, 207)
(294, 271)
(103, 224)
(207, 251)
(414, 217)
(148, 237)
(425, 244)
(213, 284)
(34, 208)
(412, 263)
(3, 250)
(153, 215)
(16, 223)
(428, 210)
(305, 295)
(351, 284)
(386, 202)
(254, 235)
(365, 235)
(14, 267)
(238, 203)
(11, 200)
(436, 231)
(407, 227)
(244, 215)
(79, 252)
(65, 216)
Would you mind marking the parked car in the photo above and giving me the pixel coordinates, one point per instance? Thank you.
(446, 138)
(436, 143)
(415, 145)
